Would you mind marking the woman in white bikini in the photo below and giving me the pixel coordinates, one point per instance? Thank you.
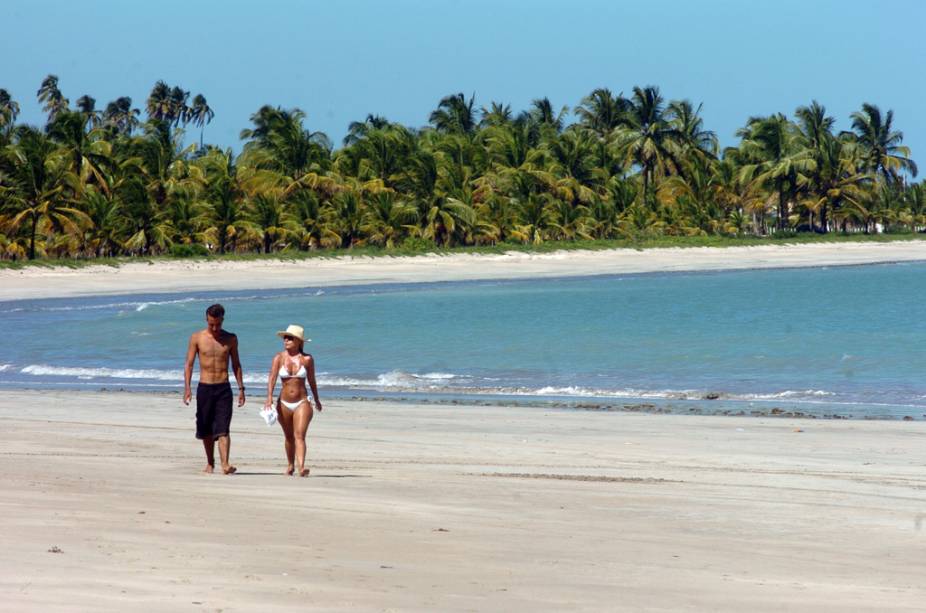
(294, 409)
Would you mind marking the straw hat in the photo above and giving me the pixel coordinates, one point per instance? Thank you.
(296, 331)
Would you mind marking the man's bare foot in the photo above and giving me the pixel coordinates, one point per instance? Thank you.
(289, 471)
(229, 470)
(209, 469)
(304, 472)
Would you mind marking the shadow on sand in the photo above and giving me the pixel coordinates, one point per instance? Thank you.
(247, 473)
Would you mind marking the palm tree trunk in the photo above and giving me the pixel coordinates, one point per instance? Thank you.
(646, 186)
(781, 208)
(35, 225)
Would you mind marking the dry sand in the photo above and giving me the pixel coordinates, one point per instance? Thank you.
(437, 508)
(179, 276)
(422, 507)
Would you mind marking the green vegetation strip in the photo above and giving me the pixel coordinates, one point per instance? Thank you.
(547, 247)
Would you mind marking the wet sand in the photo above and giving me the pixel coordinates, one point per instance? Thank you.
(424, 508)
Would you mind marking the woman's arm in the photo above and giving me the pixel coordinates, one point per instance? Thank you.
(272, 379)
(310, 375)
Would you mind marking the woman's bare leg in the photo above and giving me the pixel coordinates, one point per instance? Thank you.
(301, 419)
(285, 417)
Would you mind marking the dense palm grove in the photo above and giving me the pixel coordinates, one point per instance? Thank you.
(97, 183)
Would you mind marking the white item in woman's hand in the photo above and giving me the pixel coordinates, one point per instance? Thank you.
(269, 414)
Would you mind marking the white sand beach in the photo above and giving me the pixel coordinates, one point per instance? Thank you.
(441, 507)
(181, 276)
(446, 508)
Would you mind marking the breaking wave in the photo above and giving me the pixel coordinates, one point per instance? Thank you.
(442, 383)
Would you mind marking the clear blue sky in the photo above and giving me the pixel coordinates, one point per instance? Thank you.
(340, 60)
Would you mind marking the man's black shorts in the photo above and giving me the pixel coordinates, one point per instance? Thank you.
(213, 409)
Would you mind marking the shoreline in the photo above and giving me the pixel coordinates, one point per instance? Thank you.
(204, 276)
(562, 510)
(581, 404)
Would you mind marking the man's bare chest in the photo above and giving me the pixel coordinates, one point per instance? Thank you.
(212, 350)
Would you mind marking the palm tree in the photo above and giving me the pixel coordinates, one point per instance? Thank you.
(86, 105)
(536, 219)
(816, 128)
(358, 129)
(454, 115)
(698, 144)
(742, 199)
(159, 105)
(120, 115)
(200, 113)
(640, 221)
(648, 138)
(279, 142)
(89, 152)
(269, 216)
(916, 200)
(884, 152)
(694, 200)
(815, 124)
(387, 220)
(150, 230)
(775, 156)
(510, 146)
(543, 115)
(602, 111)
(603, 219)
(622, 192)
(41, 185)
(573, 156)
(316, 222)
(570, 222)
(53, 101)
(189, 218)
(224, 194)
(107, 221)
(497, 114)
(179, 111)
(163, 173)
(497, 216)
(381, 153)
(447, 220)
(9, 111)
(836, 181)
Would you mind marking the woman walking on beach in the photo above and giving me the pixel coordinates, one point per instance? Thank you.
(294, 409)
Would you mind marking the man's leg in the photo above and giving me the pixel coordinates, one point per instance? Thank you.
(204, 410)
(209, 446)
(224, 445)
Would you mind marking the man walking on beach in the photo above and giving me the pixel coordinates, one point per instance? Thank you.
(214, 346)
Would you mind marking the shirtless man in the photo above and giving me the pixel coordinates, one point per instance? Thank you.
(214, 346)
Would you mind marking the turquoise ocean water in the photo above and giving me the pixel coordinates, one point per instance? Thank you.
(845, 341)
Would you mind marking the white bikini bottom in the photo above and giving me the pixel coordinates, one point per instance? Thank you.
(292, 406)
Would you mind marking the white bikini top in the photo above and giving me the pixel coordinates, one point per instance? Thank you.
(285, 374)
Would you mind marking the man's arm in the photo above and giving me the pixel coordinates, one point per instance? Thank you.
(236, 368)
(191, 351)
